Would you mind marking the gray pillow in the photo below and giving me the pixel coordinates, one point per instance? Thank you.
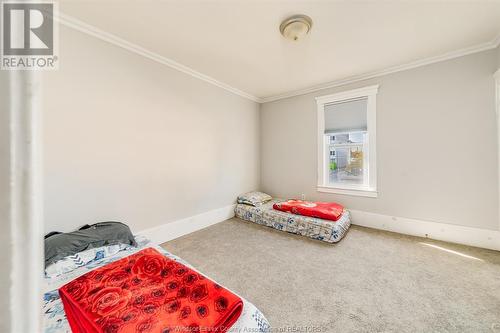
(62, 245)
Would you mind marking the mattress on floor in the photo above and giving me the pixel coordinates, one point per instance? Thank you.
(324, 230)
(54, 317)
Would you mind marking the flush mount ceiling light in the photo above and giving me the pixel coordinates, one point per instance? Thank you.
(296, 27)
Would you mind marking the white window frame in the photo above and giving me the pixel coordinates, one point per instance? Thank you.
(369, 190)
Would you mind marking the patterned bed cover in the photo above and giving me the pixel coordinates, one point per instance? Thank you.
(54, 318)
(324, 230)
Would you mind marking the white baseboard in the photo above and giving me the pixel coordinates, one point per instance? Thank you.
(489, 239)
(175, 229)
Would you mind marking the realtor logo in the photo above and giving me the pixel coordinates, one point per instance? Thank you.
(28, 35)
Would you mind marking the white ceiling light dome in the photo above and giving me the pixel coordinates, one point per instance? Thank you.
(296, 27)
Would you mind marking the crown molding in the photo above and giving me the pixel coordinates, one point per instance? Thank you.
(88, 29)
(415, 64)
(496, 41)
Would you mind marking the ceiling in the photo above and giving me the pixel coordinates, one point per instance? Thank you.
(238, 42)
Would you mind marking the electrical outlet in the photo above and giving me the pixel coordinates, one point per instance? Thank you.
(303, 196)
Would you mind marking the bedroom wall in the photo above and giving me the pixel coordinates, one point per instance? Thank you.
(129, 139)
(436, 144)
(5, 241)
(498, 56)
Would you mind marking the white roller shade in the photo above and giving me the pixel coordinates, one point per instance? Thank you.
(346, 116)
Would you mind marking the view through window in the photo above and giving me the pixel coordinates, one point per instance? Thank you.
(346, 137)
(346, 142)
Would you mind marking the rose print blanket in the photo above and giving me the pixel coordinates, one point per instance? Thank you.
(148, 292)
(322, 210)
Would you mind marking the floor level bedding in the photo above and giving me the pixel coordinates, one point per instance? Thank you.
(324, 230)
(54, 318)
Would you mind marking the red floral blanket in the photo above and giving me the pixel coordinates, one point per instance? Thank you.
(148, 292)
(323, 210)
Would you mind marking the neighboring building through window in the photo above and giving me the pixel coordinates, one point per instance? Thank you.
(346, 142)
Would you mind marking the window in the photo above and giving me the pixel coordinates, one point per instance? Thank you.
(346, 142)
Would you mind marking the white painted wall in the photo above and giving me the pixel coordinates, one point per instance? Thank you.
(128, 139)
(436, 144)
(5, 239)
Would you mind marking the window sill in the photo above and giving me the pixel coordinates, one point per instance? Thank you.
(348, 190)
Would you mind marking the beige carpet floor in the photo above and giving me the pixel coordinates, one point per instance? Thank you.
(372, 281)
